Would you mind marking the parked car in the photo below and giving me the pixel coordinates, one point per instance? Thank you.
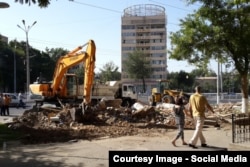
(14, 99)
(35, 97)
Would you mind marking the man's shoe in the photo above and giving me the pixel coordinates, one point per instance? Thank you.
(193, 146)
(203, 145)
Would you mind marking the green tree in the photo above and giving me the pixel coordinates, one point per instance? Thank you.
(218, 30)
(181, 81)
(4, 66)
(173, 84)
(47, 59)
(138, 66)
(200, 72)
(185, 81)
(7, 54)
(56, 53)
(39, 64)
(41, 3)
(42, 64)
(109, 72)
(80, 74)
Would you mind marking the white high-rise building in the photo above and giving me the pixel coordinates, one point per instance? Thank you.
(144, 28)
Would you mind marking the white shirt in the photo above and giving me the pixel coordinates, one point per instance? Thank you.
(20, 97)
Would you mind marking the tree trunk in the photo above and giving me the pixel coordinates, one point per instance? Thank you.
(244, 91)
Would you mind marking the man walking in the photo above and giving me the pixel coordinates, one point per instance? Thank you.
(20, 99)
(197, 107)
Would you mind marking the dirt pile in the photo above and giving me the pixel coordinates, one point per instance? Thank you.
(51, 124)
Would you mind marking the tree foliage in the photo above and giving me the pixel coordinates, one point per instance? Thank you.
(41, 65)
(9, 52)
(138, 66)
(182, 81)
(109, 72)
(219, 30)
(56, 53)
(41, 3)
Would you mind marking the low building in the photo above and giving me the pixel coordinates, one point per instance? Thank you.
(4, 38)
(208, 84)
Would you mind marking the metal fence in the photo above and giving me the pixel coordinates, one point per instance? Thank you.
(241, 128)
(211, 97)
(223, 97)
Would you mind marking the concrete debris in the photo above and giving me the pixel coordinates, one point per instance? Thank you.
(107, 119)
(164, 106)
(48, 105)
(142, 111)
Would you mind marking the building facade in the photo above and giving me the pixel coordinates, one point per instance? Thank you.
(4, 39)
(144, 28)
(208, 84)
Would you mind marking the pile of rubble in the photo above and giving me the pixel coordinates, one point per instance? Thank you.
(51, 124)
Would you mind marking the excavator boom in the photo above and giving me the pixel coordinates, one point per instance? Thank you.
(89, 72)
(58, 86)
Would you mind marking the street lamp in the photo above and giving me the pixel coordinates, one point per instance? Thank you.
(26, 29)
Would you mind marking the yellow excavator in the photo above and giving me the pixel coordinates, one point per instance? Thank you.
(63, 86)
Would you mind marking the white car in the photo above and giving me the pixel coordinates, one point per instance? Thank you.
(14, 99)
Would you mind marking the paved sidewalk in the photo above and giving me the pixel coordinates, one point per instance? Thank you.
(94, 153)
(83, 153)
(6, 119)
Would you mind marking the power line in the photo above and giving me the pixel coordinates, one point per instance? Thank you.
(94, 6)
(51, 43)
(116, 11)
(171, 6)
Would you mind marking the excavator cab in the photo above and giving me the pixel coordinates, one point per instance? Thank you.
(158, 91)
(163, 85)
(71, 88)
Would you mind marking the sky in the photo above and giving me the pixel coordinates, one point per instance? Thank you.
(69, 24)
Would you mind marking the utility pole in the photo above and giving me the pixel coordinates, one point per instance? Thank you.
(218, 83)
(15, 68)
(26, 29)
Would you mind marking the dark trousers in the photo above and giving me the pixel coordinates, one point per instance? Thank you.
(7, 112)
(21, 104)
(180, 132)
(2, 110)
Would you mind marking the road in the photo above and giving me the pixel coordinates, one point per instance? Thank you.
(15, 112)
(95, 153)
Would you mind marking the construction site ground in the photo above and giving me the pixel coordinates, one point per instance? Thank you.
(82, 145)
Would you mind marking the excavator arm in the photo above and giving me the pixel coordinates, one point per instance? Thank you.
(58, 86)
(72, 59)
(89, 73)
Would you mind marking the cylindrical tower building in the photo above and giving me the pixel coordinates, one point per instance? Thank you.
(144, 28)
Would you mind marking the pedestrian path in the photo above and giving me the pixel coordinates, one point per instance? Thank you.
(217, 138)
(6, 119)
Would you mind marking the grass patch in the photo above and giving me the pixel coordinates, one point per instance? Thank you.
(8, 134)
